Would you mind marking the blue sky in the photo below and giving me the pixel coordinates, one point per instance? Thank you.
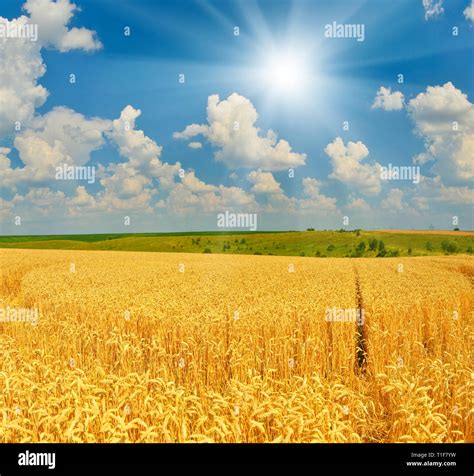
(302, 85)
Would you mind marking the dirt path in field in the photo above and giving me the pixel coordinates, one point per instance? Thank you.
(360, 332)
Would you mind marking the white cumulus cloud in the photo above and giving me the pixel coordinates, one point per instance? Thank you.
(393, 200)
(358, 204)
(52, 18)
(387, 100)
(22, 64)
(263, 182)
(61, 136)
(195, 145)
(347, 166)
(433, 8)
(469, 11)
(313, 198)
(444, 118)
(231, 129)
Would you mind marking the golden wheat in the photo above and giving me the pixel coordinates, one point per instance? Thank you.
(156, 347)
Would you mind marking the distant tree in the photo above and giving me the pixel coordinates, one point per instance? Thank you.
(409, 251)
(330, 248)
(302, 253)
(469, 250)
(456, 229)
(207, 250)
(257, 253)
(449, 246)
(381, 245)
(429, 246)
(373, 244)
(309, 229)
(318, 253)
(361, 247)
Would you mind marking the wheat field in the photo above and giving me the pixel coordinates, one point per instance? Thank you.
(161, 347)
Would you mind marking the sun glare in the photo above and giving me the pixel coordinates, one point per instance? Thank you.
(286, 73)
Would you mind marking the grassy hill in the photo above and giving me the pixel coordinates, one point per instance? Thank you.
(292, 243)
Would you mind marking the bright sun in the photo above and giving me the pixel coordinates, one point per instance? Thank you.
(285, 73)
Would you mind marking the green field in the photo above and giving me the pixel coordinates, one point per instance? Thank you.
(291, 243)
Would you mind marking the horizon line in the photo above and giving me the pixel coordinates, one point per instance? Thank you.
(231, 232)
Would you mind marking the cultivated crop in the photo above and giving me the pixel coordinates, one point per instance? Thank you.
(158, 347)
